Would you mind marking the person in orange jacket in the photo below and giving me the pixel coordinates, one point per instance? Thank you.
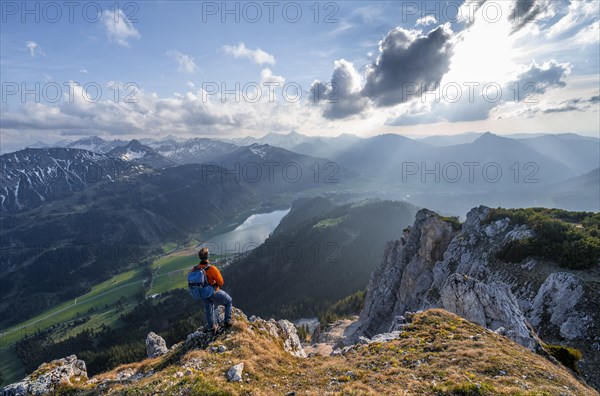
(215, 279)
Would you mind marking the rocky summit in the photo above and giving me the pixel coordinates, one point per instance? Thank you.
(436, 265)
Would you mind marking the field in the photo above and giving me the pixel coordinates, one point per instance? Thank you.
(102, 298)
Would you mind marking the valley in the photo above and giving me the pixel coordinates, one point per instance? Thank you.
(109, 300)
(313, 255)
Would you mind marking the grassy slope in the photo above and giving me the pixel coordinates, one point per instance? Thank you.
(125, 285)
(438, 353)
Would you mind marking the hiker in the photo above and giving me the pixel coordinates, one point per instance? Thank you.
(214, 296)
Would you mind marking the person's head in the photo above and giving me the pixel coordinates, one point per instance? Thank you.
(203, 255)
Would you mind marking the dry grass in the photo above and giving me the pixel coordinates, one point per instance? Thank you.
(438, 354)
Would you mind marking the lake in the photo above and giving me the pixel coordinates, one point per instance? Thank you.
(247, 236)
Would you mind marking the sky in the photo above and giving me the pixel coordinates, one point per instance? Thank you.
(124, 70)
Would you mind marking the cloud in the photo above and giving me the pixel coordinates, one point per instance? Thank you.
(119, 28)
(526, 12)
(521, 92)
(34, 49)
(185, 63)
(83, 71)
(257, 56)
(267, 76)
(342, 97)
(427, 20)
(407, 58)
(408, 63)
(152, 115)
(580, 13)
(589, 35)
(549, 75)
(566, 106)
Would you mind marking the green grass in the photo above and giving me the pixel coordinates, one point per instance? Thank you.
(11, 366)
(125, 285)
(453, 220)
(168, 247)
(171, 273)
(567, 356)
(330, 222)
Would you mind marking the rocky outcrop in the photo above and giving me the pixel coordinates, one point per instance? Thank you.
(155, 345)
(489, 305)
(406, 273)
(48, 377)
(556, 300)
(284, 330)
(434, 266)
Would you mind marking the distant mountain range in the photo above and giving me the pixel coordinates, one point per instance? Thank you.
(442, 172)
(197, 150)
(32, 177)
(139, 153)
(560, 155)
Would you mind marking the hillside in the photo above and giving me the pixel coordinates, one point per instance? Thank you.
(110, 227)
(315, 257)
(435, 353)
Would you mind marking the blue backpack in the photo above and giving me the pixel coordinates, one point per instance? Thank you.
(198, 284)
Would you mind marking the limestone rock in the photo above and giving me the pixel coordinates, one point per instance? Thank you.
(386, 337)
(556, 299)
(291, 341)
(489, 305)
(49, 376)
(284, 330)
(235, 373)
(155, 345)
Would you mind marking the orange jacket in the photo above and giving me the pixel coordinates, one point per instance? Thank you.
(213, 275)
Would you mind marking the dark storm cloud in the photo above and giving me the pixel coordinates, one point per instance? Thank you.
(524, 12)
(407, 59)
(409, 62)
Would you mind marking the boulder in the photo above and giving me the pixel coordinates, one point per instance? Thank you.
(155, 345)
(386, 337)
(291, 341)
(235, 373)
